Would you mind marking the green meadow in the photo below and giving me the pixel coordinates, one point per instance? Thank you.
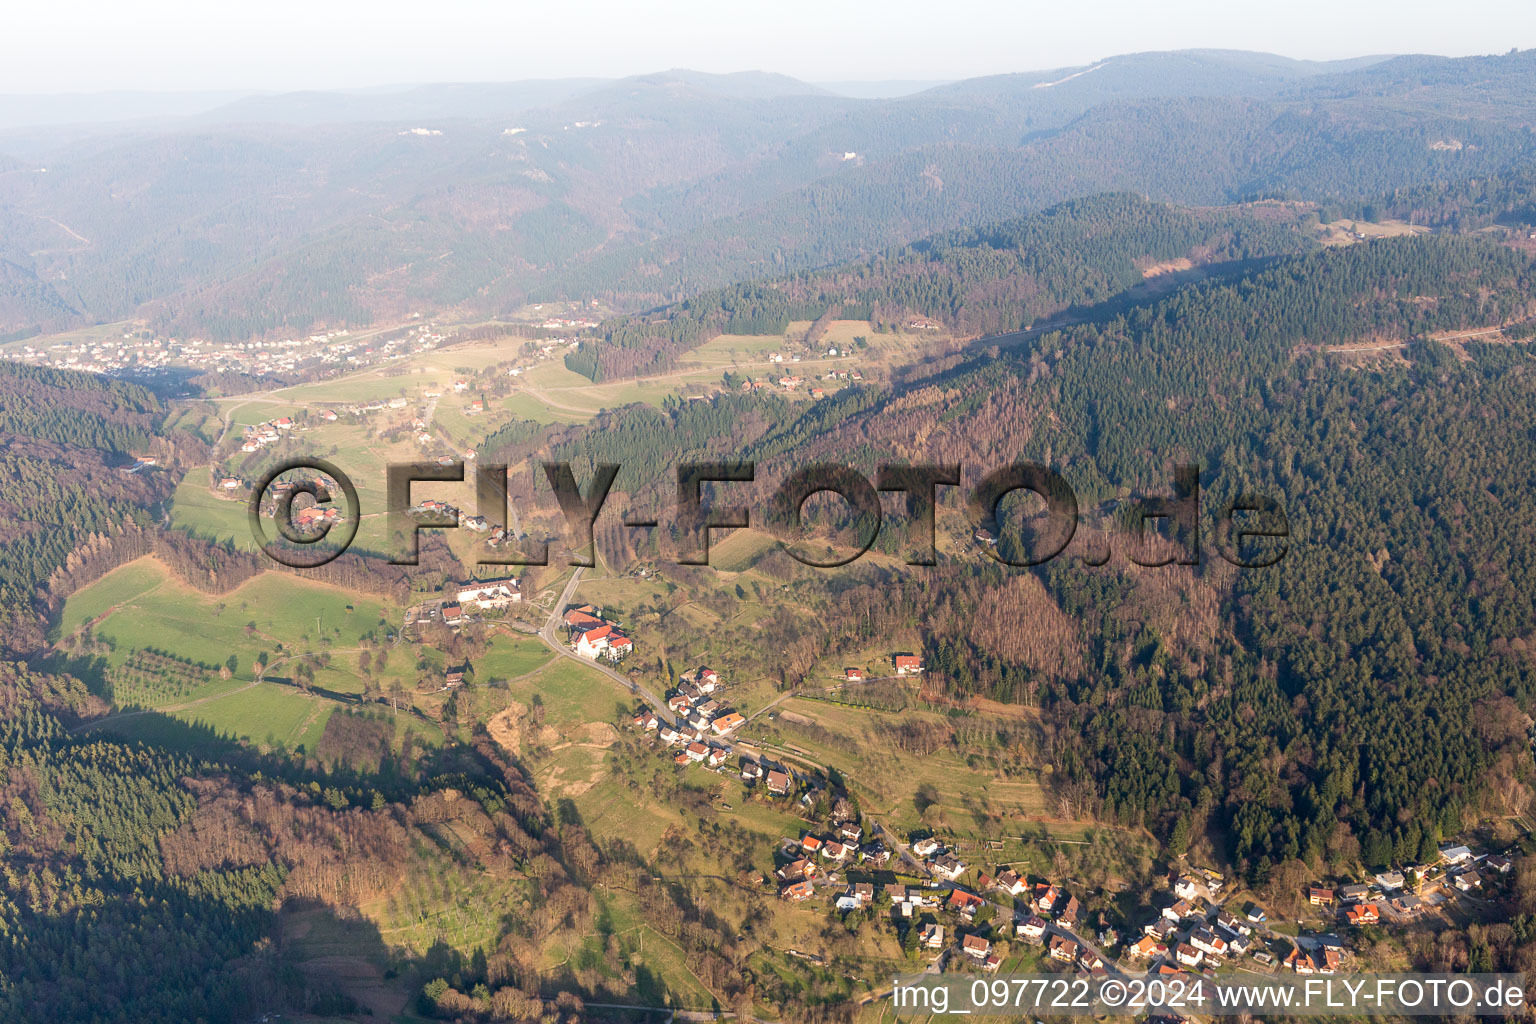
(288, 619)
(200, 512)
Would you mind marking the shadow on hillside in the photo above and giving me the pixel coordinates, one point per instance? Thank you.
(345, 965)
(163, 730)
(1151, 290)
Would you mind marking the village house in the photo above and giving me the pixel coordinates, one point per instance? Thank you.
(875, 853)
(976, 947)
(932, 936)
(907, 664)
(948, 866)
(725, 723)
(1187, 955)
(963, 902)
(1011, 883)
(797, 869)
(1068, 914)
(1186, 888)
(1146, 948)
(580, 617)
(927, 846)
(1062, 948)
(1363, 914)
(1208, 942)
(1320, 896)
(453, 614)
(853, 675)
(1232, 923)
(797, 891)
(1354, 893)
(834, 851)
(1179, 911)
(697, 752)
(778, 783)
(1031, 928)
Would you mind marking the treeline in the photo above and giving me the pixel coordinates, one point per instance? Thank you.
(1469, 204)
(975, 282)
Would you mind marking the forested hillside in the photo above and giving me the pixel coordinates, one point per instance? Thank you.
(66, 443)
(1366, 696)
(983, 281)
(142, 884)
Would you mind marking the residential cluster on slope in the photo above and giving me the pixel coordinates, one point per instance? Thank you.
(1198, 931)
(433, 509)
(703, 722)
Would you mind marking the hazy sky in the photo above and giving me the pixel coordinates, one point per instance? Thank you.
(92, 45)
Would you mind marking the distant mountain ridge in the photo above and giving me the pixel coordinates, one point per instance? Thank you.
(645, 190)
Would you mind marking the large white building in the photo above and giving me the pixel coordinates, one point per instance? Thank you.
(490, 594)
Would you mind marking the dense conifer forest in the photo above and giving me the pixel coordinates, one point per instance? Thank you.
(984, 281)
